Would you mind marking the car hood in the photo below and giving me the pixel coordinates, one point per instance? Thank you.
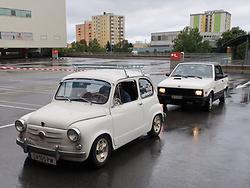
(63, 114)
(187, 83)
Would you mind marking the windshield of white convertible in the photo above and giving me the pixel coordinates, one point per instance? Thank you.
(193, 70)
(84, 90)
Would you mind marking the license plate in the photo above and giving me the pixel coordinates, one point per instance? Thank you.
(177, 97)
(43, 158)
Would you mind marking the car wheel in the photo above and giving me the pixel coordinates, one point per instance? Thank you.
(100, 151)
(223, 97)
(209, 103)
(156, 126)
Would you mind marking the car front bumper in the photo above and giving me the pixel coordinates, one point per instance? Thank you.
(64, 155)
(168, 99)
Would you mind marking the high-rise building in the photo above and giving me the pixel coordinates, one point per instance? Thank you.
(108, 28)
(32, 24)
(83, 31)
(217, 21)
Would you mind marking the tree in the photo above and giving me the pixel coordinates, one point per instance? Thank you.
(123, 46)
(108, 47)
(190, 41)
(94, 46)
(229, 35)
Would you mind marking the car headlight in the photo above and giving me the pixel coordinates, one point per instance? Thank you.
(199, 92)
(162, 90)
(74, 135)
(20, 125)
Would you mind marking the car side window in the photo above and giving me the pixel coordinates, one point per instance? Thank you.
(146, 88)
(125, 92)
(218, 71)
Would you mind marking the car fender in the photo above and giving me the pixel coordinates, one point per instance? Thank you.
(155, 110)
(91, 129)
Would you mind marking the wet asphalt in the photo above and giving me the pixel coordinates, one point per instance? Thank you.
(195, 149)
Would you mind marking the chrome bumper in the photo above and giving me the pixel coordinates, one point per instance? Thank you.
(74, 156)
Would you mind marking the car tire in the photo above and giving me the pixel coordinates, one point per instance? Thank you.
(223, 97)
(156, 126)
(209, 103)
(100, 151)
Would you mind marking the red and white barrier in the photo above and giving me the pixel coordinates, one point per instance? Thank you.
(36, 69)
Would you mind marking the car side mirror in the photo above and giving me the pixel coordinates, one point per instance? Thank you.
(168, 74)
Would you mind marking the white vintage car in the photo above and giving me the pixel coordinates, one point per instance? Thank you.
(194, 83)
(93, 112)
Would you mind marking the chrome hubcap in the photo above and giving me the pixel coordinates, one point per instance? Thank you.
(102, 150)
(157, 125)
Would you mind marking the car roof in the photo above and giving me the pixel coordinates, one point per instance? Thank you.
(109, 75)
(202, 63)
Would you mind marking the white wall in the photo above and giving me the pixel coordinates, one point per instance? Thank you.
(48, 19)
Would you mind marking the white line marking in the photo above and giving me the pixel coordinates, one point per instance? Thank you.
(26, 104)
(5, 126)
(244, 85)
(18, 107)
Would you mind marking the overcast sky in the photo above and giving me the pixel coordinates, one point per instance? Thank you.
(143, 17)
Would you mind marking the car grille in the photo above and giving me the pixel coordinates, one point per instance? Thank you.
(180, 91)
(45, 136)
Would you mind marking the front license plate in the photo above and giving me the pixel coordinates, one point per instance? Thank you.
(43, 158)
(177, 97)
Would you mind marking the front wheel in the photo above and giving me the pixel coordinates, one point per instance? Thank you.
(156, 126)
(209, 103)
(100, 151)
(223, 97)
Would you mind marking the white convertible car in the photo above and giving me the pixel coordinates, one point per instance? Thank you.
(93, 112)
(194, 83)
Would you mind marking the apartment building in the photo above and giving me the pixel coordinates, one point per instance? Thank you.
(216, 21)
(84, 31)
(108, 28)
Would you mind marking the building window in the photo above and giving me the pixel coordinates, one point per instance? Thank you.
(16, 36)
(15, 12)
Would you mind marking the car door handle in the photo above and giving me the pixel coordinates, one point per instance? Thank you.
(140, 103)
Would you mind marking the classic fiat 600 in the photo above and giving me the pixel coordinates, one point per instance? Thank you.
(93, 112)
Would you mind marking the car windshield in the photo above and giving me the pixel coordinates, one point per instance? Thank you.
(193, 70)
(84, 90)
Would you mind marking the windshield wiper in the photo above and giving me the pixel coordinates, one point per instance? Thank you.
(65, 97)
(177, 75)
(82, 99)
(194, 76)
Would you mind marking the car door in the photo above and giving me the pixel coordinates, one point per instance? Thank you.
(219, 82)
(146, 91)
(127, 112)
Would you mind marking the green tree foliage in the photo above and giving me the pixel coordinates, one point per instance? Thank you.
(229, 35)
(94, 46)
(108, 47)
(190, 41)
(123, 46)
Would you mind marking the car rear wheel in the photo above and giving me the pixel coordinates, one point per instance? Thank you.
(156, 126)
(209, 103)
(100, 151)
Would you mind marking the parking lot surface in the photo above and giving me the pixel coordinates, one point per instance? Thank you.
(195, 148)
